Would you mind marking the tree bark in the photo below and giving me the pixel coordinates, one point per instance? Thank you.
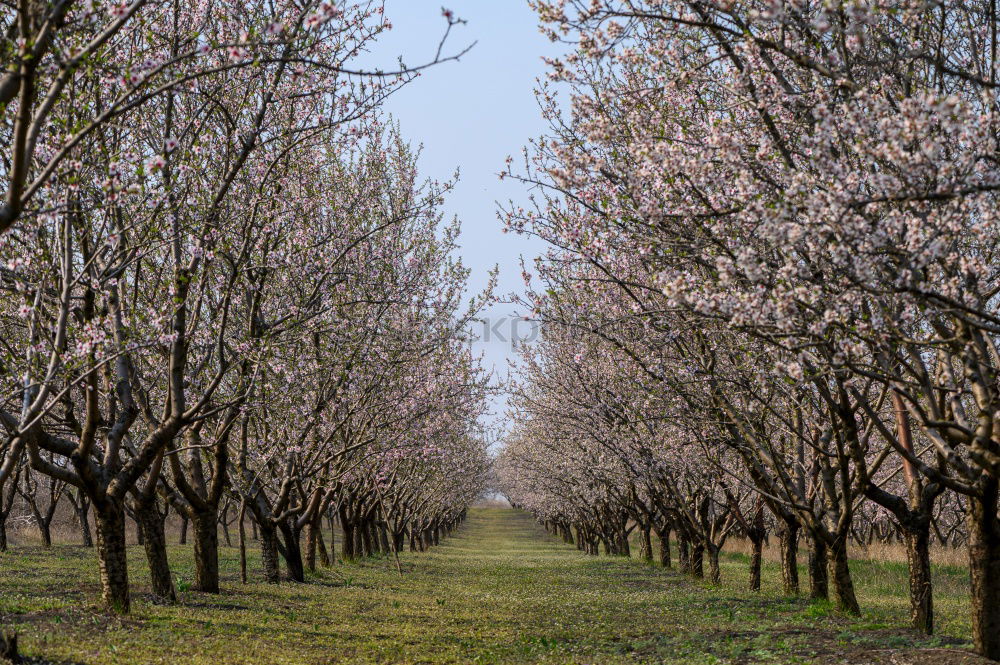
(818, 586)
(45, 532)
(82, 508)
(347, 551)
(293, 552)
(683, 554)
(697, 561)
(362, 540)
(645, 544)
(714, 572)
(918, 556)
(843, 586)
(789, 541)
(154, 541)
(664, 536)
(324, 555)
(984, 569)
(756, 558)
(311, 545)
(111, 555)
(269, 553)
(206, 550)
(243, 542)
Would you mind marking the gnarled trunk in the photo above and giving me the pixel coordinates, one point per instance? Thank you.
(664, 537)
(347, 551)
(818, 586)
(788, 537)
(154, 541)
(111, 555)
(206, 550)
(697, 560)
(269, 553)
(293, 552)
(714, 572)
(918, 556)
(683, 554)
(645, 544)
(843, 586)
(984, 569)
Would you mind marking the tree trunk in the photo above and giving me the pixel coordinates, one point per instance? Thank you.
(984, 570)
(324, 556)
(83, 516)
(184, 531)
(154, 541)
(293, 552)
(3, 533)
(697, 561)
(269, 553)
(622, 544)
(362, 540)
(45, 532)
(843, 586)
(331, 524)
(347, 551)
(714, 573)
(918, 556)
(311, 531)
(756, 558)
(818, 586)
(206, 550)
(243, 542)
(789, 539)
(224, 521)
(645, 545)
(397, 542)
(111, 555)
(683, 554)
(664, 537)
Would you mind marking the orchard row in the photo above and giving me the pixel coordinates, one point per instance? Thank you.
(224, 283)
(771, 298)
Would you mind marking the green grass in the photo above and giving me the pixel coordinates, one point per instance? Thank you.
(882, 590)
(499, 591)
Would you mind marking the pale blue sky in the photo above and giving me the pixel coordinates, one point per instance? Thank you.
(470, 115)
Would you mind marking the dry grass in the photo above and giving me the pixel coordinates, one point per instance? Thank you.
(876, 552)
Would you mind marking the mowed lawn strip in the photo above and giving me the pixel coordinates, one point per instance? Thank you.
(499, 591)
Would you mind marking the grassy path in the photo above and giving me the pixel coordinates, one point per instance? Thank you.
(499, 591)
